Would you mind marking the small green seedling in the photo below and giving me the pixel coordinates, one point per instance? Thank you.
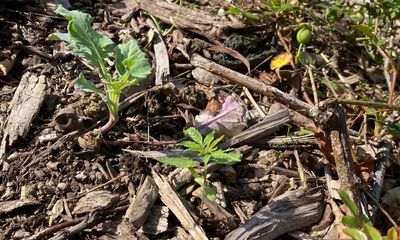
(207, 149)
(358, 226)
(130, 63)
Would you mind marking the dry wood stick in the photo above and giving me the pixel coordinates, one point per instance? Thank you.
(171, 199)
(140, 207)
(210, 26)
(291, 211)
(253, 84)
(333, 121)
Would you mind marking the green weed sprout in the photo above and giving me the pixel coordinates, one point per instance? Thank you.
(207, 149)
(131, 65)
(358, 226)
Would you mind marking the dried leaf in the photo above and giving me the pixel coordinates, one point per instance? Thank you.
(228, 122)
(280, 60)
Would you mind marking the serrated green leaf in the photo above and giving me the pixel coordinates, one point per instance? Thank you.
(348, 202)
(366, 30)
(130, 62)
(195, 135)
(356, 234)
(84, 40)
(392, 234)
(191, 146)
(206, 159)
(233, 10)
(222, 157)
(372, 232)
(210, 193)
(180, 162)
(351, 221)
(83, 84)
(215, 142)
(208, 139)
(199, 180)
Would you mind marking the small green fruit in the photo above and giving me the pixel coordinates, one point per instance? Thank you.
(303, 35)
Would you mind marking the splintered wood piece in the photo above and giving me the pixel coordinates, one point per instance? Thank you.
(140, 207)
(252, 84)
(157, 222)
(7, 60)
(287, 142)
(210, 26)
(333, 120)
(290, 211)
(161, 56)
(267, 126)
(24, 107)
(205, 77)
(97, 200)
(171, 199)
(9, 206)
(217, 211)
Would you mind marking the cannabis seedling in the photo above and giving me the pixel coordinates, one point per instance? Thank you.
(131, 65)
(207, 149)
(358, 226)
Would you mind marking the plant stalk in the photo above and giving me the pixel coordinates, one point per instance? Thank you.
(113, 106)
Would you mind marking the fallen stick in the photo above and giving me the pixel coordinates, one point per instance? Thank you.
(286, 213)
(171, 199)
(210, 26)
(253, 84)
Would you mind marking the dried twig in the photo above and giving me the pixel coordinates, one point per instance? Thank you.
(252, 84)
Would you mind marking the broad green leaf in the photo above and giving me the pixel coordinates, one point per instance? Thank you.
(372, 232)
(84, 40)
(306, 59)
(392, 234)
(356, 234)
(180, 162)
(210, 193)
(191, 146)
(58, 36)
(351, 221)
(131, 63)
(195, 135)
(83, 84)
(349, 203)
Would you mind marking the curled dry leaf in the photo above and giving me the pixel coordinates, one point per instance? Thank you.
(228, 122)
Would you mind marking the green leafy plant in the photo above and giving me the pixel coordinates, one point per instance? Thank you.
(268, 8)
(358, 226)
(130, 63)
(207, 149)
